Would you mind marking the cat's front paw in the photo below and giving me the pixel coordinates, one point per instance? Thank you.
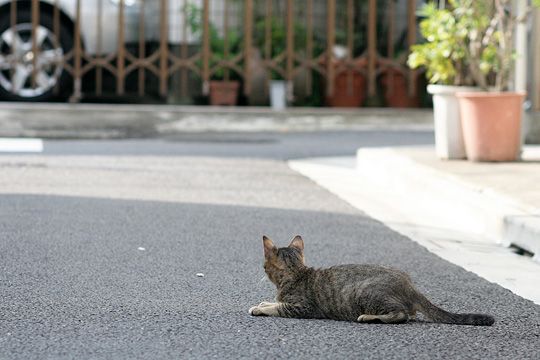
(255, 311)
(258, 310)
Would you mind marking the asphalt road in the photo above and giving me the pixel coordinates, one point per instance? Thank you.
(274, 145)
(75, 282)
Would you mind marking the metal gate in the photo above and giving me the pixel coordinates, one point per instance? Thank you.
(323, 38)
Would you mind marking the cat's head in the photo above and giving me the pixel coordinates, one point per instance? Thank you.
(281, 261)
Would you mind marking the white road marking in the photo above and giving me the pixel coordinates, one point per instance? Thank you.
(19, 145)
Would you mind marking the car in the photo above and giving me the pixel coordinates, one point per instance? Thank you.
(99, 30)
(17, 52)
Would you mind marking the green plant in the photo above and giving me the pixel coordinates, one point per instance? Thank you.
(278, 35)
(470, 42)
(278, 38)
(443, 52)
(488, 27)
(230, 41)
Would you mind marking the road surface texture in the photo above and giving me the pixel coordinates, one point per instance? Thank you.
(273, 145)
(99, 257)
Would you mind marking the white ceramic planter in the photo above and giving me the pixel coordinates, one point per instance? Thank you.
(449, 142)
(278, 94)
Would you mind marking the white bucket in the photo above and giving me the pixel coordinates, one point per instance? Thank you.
(449, 142)
(278, 94)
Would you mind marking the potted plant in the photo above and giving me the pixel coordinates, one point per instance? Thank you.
(224, 84)
(393, 78)
(350, 81)
(491, 118)
(349, 59)
(396, 94)
(443, 57)
(349, 84)
(280, 90)
(278, 34)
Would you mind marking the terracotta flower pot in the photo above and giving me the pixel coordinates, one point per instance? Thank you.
(491, 125)
(395, 90)
(348, 94)
(224, 92)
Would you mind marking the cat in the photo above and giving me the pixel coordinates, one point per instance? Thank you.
(361, 293)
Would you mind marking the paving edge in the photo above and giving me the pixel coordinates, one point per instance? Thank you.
(524, 232)
(468, 207)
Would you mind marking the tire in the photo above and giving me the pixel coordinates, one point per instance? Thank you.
(16, 65)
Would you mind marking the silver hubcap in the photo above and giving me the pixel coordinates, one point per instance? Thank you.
(17, 61)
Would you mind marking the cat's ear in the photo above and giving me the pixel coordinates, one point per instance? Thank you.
(297, 243)
(269, 247)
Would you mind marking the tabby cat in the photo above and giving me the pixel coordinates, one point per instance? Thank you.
(362, 293)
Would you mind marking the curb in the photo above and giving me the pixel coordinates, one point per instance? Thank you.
(102, 121)
(470, 208)
(524, 232)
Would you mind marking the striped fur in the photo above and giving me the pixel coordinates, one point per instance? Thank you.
(363, 293)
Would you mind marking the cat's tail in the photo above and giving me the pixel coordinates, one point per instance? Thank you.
(436, 314)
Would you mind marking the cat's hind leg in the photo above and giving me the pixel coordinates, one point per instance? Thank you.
(390, 318)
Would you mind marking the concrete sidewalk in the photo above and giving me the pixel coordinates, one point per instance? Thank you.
(496, 201)
(468, 213)
(116, 121)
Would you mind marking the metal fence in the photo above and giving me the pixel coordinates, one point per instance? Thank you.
(175, 44)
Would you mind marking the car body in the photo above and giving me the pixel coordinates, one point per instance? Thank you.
(29, 75)
(89, 10)
(99, 33)
(91, 23)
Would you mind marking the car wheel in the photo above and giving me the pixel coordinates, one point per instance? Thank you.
(17, 59)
